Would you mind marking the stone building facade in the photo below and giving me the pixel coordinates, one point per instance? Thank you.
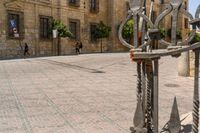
(28, 21)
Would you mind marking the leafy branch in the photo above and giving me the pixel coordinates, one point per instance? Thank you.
(62, 29)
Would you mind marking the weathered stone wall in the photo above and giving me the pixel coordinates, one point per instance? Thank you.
(31, 11)
(191, 61)
(57, 9)
(111, 12)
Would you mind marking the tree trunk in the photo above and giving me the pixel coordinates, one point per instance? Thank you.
(101, 46)
(59, 46)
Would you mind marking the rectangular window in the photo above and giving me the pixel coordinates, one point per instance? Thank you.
(186, 5)
(161, 1)
(74, 2)
(15, 24)
(186, 23)
(94, 5)
(92, 32)
(45, 26)
(74, 27)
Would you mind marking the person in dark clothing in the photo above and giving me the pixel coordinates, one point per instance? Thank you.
(77, 48)
(80, 47)
(26, 50)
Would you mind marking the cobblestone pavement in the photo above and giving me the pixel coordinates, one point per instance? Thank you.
(94, 93)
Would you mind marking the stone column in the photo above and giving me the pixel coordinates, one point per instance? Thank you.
(183, 64)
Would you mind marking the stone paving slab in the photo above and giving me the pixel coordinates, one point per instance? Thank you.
(94, 93)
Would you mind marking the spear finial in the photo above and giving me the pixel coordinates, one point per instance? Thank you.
(174, 122)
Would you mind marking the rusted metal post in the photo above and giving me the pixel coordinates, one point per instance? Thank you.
(155, 95)
(176, 7)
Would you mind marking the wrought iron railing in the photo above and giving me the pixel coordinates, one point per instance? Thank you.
(146, 115)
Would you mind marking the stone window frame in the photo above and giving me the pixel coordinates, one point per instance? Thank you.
(74, 3)
(50, 19)
(77, 32)
(92, 40)
(94, 6)
(20, 25)
(45, 1)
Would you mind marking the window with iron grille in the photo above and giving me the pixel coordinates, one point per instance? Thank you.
(74, 2)
(74, 27)
(15, 24)
(94, 5)
(45, 26)
(161, 1)
(92, 32)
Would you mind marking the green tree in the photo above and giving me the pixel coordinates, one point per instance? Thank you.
(127, 32)
(196, 38)
(162, 32)
(102, 31)
(178, 33)
(62, 30)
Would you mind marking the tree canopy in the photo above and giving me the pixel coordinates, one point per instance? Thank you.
(102, 31)
(62, 29)
(127, 32)
(196, 38)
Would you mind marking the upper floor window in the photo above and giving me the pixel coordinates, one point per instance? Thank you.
(74, 2)
(94, 5)
(15, 24)
(161, 1)
(186, 5)
(45, 26)
(74, 27)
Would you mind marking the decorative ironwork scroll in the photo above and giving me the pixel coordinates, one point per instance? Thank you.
(146, 114)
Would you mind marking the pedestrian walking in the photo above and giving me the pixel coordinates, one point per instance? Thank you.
(80, 47)
(26, 50)
(77, 48)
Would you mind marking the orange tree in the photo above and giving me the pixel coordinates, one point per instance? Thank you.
(102, 31)
(62, 30)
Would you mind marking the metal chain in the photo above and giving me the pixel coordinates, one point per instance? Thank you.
(149, 97)
(139, 81)
(195, 116)
(144, 97)
(196, 95)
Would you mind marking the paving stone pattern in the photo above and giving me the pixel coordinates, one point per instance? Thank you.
(94, 93)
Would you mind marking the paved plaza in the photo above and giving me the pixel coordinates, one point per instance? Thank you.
(94, 93)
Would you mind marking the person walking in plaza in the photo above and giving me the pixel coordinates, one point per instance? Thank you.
(26, 50)
(80, 47)
(77, 48)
